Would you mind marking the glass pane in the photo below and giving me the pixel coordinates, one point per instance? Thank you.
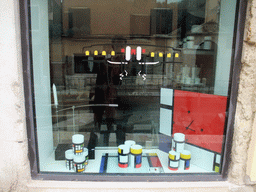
(131, 86)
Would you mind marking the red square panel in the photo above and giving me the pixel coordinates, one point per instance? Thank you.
(201, 117)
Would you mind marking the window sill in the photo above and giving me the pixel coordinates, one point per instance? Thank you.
(175, 186)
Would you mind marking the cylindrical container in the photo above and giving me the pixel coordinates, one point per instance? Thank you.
(136, 156)
(184, 43)
(207, 42)
(79, 163)
(69, 155)
(188, 80)
(86, 153)
(193, 74)
(190, 42)
(129, 143)
(78, 144)
(204, 81)
(178, 142)
(173, 160)
(185, 157)
(197, 80)
(123, 155)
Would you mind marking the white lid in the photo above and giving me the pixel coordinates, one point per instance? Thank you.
(78, 139)
(125, 148)
(69, 154)
(129, 142)
(208, 38)
(85, 153)
(79, 158)
(186, 152)
(177, 154)
(136, 147)
(190, 38)
(179, 137)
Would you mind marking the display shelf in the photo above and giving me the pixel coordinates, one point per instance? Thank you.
(50, 165)
(198, 51)
(112, 166)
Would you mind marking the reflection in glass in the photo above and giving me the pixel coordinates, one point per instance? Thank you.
(138, 70)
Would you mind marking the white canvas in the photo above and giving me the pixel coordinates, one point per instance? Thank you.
(166, 121)
(201, 157)
(166, 96)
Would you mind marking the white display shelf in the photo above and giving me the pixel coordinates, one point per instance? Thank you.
(112, 167)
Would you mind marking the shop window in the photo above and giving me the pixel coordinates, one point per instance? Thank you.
(131, 87)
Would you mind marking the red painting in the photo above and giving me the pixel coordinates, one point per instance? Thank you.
(201, 117)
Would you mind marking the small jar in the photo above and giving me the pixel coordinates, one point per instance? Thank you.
(185, 157)
(78, 144)
(69, 155)
(123, 155)
(86, 153)
(197, 80)
(190, 42)
(136, 156)
(207, 42)
(178, 142)
(184, 42)
(204, 81)
(173, 160)
(129, 143)
(79, 163)
(188, 80)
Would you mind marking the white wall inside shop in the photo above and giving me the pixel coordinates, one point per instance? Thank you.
(225, 43)
(41, 72)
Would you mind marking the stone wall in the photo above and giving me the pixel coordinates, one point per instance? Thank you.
(246, 103)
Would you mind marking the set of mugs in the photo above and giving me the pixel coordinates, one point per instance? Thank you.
(178, 157)
(129, 155)
(77, 157)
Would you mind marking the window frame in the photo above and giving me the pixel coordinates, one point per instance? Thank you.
(32, 129)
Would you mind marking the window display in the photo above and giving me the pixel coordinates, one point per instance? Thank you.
(131, 86)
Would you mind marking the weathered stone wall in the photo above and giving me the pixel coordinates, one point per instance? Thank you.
(246, 101)
(14, 164)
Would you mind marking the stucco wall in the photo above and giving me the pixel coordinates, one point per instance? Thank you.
(14, 164)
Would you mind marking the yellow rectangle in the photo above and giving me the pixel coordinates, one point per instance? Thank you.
(217, 169)
(172, 157)
(80, 170)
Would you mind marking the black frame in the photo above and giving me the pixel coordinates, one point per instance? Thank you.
(31, 123)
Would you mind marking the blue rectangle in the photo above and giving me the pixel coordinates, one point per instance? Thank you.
(102, 164)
